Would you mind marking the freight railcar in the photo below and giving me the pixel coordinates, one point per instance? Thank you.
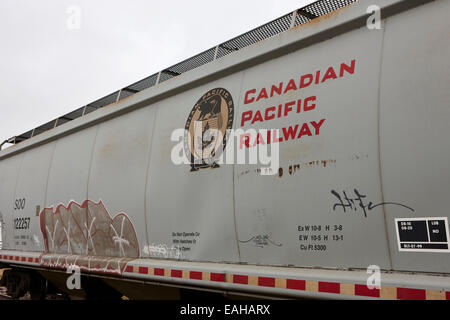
(138, 192)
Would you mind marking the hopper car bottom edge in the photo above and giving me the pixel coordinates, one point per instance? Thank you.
(114, 278)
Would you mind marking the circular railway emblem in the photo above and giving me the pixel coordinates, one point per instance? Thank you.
(206, 128)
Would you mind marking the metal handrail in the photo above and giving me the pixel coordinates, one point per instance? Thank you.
(272, 28)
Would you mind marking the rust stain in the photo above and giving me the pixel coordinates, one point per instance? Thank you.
(243, 173)
(117, 102)
(296, 167)
(312, 163)
(326, 162)
(295, 152)
(139, 143)
(292, 169)
(108, 150)
(320, 19)
(114, 147)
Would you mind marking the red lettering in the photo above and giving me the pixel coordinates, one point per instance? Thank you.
(246, 116)
(276, 89)
(259, 139)
(317, 77)
(317, 125)
(266, 115)
(246, 100)
(349, 69)
(244, 139)
(262, 94)
(257, 117)
(308, 107)
(287, 107)
(329, 75)
(299, 105)
(309, 77)
(290, 132)
(291, 86)
(275, 136)
(304, 131)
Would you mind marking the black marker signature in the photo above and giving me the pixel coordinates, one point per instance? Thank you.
(347, 203)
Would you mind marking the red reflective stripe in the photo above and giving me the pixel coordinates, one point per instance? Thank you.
(330, 287)
(266, 281)
(411, 294)
(176, 273)
(240, 279)
(220, 277)
(197, 275)
(129, 269)
(295, 284)
(363, 290)
(159, 272)
(143, 270)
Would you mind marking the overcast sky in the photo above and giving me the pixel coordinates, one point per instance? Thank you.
(50, 65)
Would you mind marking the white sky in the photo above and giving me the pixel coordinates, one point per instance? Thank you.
(48, 69)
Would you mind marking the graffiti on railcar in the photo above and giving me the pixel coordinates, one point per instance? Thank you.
(359, 202)
(88, 236)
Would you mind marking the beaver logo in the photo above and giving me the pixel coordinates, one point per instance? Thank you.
(206, 128)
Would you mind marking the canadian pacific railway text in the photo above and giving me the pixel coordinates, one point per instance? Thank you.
(286, 109)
